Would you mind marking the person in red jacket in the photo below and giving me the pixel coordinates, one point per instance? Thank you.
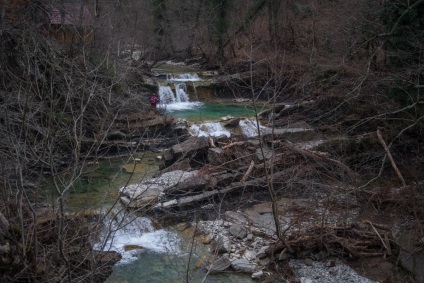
(154, 100)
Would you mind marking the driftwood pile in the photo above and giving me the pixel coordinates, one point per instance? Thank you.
(355, 241)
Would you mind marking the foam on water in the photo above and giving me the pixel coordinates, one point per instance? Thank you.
(181, 106)
(123, 229)
(159, 241)
(249, 127)
(207, 129)
(188, 77)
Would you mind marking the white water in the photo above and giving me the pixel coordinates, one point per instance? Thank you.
(216, 129)
(177, 98)
(123, 229)
(189, 77)
(207, 129)
(249, 127)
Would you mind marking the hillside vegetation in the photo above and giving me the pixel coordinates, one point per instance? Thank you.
(65, 86)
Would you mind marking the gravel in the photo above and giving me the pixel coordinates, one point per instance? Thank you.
(330, 271)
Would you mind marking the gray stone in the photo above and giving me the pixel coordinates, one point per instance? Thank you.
(309, 262)
(148, 192)
(249, 255)
(232, 123)
(236, 217)
(257, 275)
(267, 153)
(319, 272)
(243, 265)
(221, 244)
(290, 134)
(220, 264)
(192, 147)
(262, 252)
(238, 231)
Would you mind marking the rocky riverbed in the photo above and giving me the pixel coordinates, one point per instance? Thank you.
(224, 182)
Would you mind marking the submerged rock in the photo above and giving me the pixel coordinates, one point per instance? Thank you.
(243, 265)
(220, 264)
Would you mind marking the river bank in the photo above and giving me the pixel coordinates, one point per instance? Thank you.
(314, 171)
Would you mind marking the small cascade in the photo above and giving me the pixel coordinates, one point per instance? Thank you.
(249, 127)
(189, 77)
(181, 92)
(166, 95)
(130, 235)
(207, 129)
(177, 98)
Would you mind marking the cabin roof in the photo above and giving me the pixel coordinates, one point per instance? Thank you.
(70, 14)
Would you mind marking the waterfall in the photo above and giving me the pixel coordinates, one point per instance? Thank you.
(167, 96)
(181, 92)
(177, 97)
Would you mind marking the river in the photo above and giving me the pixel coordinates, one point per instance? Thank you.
(151, 253)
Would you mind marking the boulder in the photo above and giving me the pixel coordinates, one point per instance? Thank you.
(232, 123)
(238, 231)
(149, 191)
(220, 264)
(221, 244)
(194, 148)
(243, 265)
(290, 134)
(236, 217)
(249, 255)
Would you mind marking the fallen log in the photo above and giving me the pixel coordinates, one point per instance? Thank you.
(191, 199)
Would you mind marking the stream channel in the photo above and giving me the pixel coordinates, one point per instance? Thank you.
(151, 254)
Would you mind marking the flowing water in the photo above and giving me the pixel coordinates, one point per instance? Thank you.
(175, 100)
(149, 254)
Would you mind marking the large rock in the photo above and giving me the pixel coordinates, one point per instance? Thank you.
(194, 148)
(243, 265)
(290, 134)
(235, 217)
(221, 244)
(149, 191)
(238, 231)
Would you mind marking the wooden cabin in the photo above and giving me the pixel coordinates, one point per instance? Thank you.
(70, 24)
